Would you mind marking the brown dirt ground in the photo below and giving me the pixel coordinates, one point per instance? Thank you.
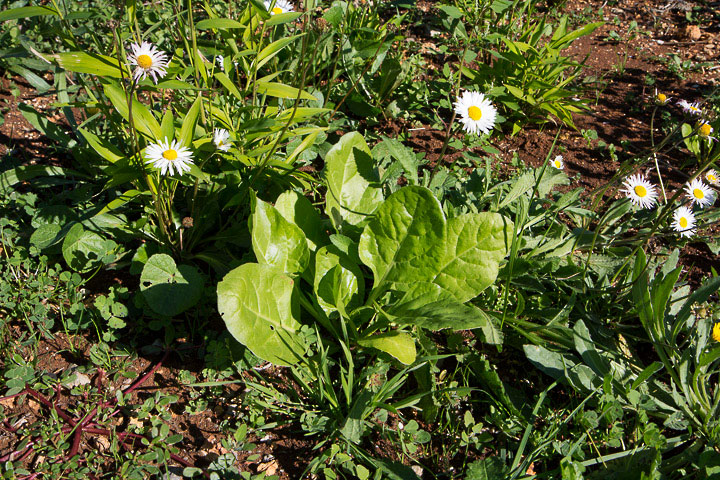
(620, 113)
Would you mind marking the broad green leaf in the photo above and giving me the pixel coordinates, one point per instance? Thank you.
(200, 63)
(170, 289)
(273, 49)
(280, 90)
(227, 83)
(409, 241)
(353, 185)
(260, 308)
(84, 62)
(8, 178)
(167, 125)
(276, 241)
(188, 126)
(428, 306)
(586, 348)
(647, 372)
(522, 185)
(83, 249)
(41, 122)
(486, 372)
(218, 23)
(641, 295)
(104, 148)
(405, 234)
(173, 84)
(282, 18)
(353, 429)
(391, 147)
(54, 214)
(488, 468)
(143, 118)
(297, 209)
(121, 200)
(338, 281)
(474, 245)
(400, 345)
(46, 235)
(25, 12)
(35, 80)
(514, 91)
(562, 368)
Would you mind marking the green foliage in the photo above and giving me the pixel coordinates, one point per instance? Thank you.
(435, 266)
(168, 288)
(458, 316)
(260, 308)
(529, 76)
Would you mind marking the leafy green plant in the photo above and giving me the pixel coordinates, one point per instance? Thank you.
(424, 268)
(529, 75)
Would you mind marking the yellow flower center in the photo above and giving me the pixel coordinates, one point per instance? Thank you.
(640, 191)
(694, 108)
(475, 113)
(557, 163)
(276, 10)
(705, 130)
(716, 332)
(144, 61)
(170, 154)
(683, 222)
(661, 97)
(699, 194)
(711, 178)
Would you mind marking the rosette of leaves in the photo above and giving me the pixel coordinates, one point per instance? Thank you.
(372, 271)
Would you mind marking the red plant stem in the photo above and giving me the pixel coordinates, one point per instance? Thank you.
(51, 406)
(9, 427)
(21, 392)
(132, 387)
(135, 436)
(84, 425)
(29, 447)
(9, 456)
(77, 436)
(144, 378)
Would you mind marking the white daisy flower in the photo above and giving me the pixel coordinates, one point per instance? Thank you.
(640, 191)
(712, 177)
(476, 112)
(699, 193)
(169, 157)
(704, 130)
(558, 162)
(148, 60)
(661, 98)
(692, 108)
(220, 137)
(280, 6)
(220, 62)
(684, 222)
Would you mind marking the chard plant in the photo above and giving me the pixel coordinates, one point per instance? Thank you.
(369, 276)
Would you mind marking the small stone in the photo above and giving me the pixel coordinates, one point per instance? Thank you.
(102, 443)
(269, 468)
(418, 470)
(692, 32)
(78, 379)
